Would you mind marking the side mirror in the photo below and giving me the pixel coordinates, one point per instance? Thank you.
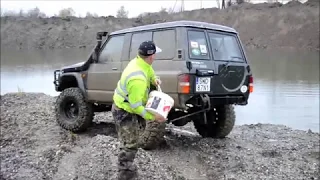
(98, 46)
(101, 34)
(99, 38)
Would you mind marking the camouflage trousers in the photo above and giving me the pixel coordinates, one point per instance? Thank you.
(129, 127)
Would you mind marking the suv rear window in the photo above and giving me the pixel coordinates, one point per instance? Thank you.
(225, 47)
(198, 45)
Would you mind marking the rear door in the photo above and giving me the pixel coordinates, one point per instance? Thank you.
(104, 75)
(201, 61)
(218, 63)
(231, 77)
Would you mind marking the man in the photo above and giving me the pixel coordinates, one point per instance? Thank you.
(128, 109)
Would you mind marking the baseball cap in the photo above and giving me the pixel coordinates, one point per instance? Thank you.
(148, 48)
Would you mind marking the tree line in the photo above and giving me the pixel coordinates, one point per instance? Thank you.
(67, 12)
(121, 12)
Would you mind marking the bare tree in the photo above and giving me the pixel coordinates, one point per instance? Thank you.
(175, 9)
(9, 13)
(66, 12)
(42, 15)
(122, 13)
(218, 3)
(33, 12)
(91, 14)
(162, 10)
(21, 13)
(223, 4)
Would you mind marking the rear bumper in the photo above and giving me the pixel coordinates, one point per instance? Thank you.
(214, 100)
(238, 100)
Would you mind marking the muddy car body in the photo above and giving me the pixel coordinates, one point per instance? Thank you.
(203, 67)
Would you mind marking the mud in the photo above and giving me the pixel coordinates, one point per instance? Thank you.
(294, 25)
(33, 146)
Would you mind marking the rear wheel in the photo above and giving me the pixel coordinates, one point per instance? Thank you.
(72, 111)
(220, 122)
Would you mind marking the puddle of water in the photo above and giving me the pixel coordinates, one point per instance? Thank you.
(286, 84)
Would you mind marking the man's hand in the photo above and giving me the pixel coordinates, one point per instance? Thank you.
(159, 118)
(157, 81)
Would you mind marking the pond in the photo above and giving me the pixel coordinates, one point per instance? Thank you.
(286, 83)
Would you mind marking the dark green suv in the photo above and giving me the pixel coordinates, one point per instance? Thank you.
(203, 67)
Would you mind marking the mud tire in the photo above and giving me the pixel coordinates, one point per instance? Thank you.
(220, 123)
(152, 135)
(85, 113)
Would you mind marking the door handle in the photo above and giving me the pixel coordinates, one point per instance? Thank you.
(114, 68)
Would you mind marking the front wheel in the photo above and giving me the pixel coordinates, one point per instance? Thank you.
(220, 122)
(72, 111)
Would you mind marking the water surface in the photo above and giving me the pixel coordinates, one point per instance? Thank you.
(286, 83)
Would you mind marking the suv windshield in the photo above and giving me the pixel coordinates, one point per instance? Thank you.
(225, 47)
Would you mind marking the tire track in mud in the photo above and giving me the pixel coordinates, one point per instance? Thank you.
(68, 165)
(187, 152)
(179, 153)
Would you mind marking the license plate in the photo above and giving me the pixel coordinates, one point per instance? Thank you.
(203, 84)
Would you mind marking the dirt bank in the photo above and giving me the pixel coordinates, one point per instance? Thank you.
(34, 147)
(293, 25)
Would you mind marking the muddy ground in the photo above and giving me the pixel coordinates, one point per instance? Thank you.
(293, 25)
(33, 146)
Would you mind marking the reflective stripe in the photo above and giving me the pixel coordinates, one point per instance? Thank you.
(143, 113)
(118, 92)
(124, 89)
(135, 105)
(136, 73)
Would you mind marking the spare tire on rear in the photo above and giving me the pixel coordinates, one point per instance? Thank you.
(72, 112)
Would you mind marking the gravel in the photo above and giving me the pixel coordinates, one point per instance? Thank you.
(33, 146)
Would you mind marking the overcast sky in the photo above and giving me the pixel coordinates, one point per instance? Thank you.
(103, 8)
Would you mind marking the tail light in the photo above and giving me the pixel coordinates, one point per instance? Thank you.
(250, 84)
(184, 83)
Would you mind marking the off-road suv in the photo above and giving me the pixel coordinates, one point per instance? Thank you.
(203, 67)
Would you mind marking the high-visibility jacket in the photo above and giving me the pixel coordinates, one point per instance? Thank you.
(132, 91)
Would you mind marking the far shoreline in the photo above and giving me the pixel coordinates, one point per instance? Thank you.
(292, 25)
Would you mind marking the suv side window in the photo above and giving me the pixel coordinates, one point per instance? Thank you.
(166, 41)
(112, 51)
(198, 46)
(136, 40)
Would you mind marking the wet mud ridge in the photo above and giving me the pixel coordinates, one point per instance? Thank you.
(34, 147)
